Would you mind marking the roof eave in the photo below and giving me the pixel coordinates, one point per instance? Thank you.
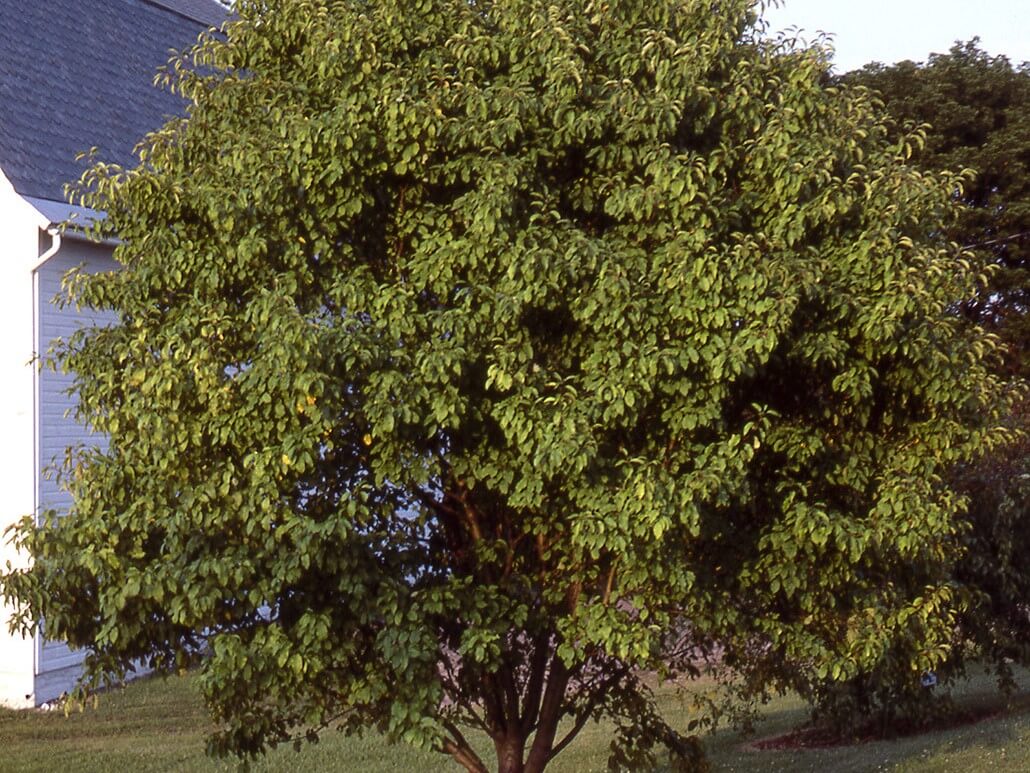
(58, 213)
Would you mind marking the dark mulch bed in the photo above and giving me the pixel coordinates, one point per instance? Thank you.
(822, 738)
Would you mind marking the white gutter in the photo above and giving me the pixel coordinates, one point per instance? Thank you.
(55, 245)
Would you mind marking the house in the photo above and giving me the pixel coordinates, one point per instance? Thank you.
(72, 76)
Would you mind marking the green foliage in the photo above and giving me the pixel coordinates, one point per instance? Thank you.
(465, 351)
(993, 629)
(977, 106)
(994, 566)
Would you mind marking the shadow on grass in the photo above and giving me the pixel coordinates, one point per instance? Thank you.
(985, 726)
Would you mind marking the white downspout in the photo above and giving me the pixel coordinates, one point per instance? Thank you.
(55, 246)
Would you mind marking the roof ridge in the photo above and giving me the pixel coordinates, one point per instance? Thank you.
(218, 12)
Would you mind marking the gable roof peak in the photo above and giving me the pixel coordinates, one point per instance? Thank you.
(210, 12)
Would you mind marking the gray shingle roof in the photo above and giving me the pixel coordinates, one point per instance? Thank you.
(75, 75)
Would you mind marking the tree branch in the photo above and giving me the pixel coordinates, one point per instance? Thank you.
(597, 694)
(471, 516)
(493, 708)
(610, 582)
(460, 750)
(535, 683)
(1001, 240)
(511, 699)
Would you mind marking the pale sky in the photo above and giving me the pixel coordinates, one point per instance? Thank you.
(892, 30)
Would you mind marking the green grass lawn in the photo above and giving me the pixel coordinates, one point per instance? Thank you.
(159, 725)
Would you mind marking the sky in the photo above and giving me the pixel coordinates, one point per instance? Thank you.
(889, 31)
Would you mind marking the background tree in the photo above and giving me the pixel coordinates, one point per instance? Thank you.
(473, 357)
(979, 108)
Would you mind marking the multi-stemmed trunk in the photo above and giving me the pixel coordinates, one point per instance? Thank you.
(523, 732)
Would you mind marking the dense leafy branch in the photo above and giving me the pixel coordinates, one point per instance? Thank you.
(976, 105)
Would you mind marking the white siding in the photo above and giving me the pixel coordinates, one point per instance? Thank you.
(57, 428)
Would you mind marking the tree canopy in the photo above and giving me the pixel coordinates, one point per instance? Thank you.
(473, 358)
(978, 107)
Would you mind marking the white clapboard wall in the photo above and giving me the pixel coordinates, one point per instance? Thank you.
(56, 665)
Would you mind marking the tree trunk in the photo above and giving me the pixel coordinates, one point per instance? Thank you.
(550, 713)
(510, 753)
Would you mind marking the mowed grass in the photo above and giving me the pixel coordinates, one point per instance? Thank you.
(160, 725)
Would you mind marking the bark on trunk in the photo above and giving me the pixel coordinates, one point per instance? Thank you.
(550, 713)
(510, 753)
(464, 757)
